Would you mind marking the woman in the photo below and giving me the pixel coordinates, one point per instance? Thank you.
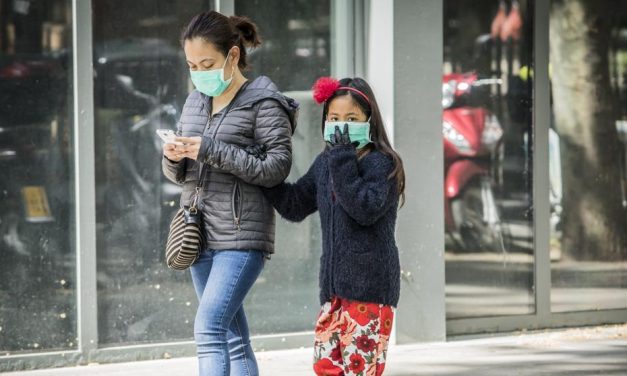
(220, 119)
(356, 185)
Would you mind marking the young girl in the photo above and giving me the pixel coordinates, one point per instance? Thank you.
(355, 184)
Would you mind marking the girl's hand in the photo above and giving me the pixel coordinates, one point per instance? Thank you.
(190, 147)
(340, 138)
(258, 151)
(170, 152)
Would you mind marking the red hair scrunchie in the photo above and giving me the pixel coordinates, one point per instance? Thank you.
(324, 88)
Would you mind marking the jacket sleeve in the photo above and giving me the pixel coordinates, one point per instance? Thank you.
(272, 128)
(295, 201)
(174, 171)
(364, 193)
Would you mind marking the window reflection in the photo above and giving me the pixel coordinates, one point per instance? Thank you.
(37, 278)
(486, 126)
(296, 40)
(294, 53)
(140, 85)
(588, 50)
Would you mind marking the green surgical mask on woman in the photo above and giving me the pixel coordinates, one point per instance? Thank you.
(211, 82)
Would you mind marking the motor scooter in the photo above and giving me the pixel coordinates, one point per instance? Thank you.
(473, 154)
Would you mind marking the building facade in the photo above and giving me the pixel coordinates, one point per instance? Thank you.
(515, 185)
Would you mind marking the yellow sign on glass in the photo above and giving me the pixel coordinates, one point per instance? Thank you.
(36, 204)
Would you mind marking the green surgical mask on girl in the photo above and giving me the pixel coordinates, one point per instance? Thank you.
(357, 131)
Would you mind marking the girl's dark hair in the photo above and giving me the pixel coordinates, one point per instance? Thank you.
(224, 33)
(378, 135)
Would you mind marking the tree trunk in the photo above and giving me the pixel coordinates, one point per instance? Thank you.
(594, 221)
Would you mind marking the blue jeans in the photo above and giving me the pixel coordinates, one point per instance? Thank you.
(221, 280)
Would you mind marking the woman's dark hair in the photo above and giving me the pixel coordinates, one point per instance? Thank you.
(224, 33)
(378, 135)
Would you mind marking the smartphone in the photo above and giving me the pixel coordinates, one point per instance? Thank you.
(168, 135)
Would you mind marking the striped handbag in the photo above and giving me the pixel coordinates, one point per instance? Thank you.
(185, 239)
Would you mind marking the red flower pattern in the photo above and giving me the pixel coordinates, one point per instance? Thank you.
(352, 336)
(373, 326)
(336, 354)
(357, 363)
(325, 367)
(363, 313)
(387, 318)
(365, 344)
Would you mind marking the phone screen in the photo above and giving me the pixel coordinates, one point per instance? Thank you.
(168, 136)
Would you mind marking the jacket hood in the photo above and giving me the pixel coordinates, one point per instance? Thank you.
(259, 89)
(263, 88)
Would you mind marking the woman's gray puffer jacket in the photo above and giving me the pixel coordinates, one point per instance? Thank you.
(236, 214)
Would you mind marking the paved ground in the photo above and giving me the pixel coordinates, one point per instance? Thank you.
(581, 351)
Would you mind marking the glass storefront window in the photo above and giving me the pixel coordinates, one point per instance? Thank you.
(141, 82)
(38, 259)
(294, 53)
(296, 39)
(486, 126)
(140, 85)
(588, 135)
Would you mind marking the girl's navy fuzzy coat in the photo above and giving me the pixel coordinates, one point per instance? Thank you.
(357, 202)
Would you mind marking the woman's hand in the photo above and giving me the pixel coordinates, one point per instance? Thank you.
(190, 147)
(170, 152)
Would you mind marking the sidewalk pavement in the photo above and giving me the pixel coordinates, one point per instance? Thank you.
(581, 351)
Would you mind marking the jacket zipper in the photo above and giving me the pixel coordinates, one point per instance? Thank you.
(240, 206)
(236, 206)
(236, 192)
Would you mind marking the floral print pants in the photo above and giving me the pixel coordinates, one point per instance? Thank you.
(352, 338)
